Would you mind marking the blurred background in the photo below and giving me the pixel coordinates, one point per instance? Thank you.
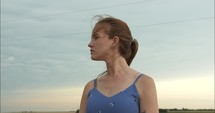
(45, 61)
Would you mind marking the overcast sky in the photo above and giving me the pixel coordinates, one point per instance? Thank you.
(45, 61)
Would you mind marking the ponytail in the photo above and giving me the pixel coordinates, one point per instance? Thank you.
(128, 46)
(134, 49)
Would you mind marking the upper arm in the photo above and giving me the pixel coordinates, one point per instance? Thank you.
(148, 96)
(83, 104)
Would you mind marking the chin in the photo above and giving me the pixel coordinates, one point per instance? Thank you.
(96, 59)
(93, 58)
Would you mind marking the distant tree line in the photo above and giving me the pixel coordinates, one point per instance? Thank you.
(183, 109)
(77, 111)
(174, 109)
(160, 110)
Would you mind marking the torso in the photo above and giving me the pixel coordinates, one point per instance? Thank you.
(120, 96)
(110, 86)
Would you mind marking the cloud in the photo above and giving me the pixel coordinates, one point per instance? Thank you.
(9, 59)
(57, 99)
(44, 43)
(186, 93)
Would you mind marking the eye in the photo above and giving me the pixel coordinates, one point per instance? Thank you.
(95, 37)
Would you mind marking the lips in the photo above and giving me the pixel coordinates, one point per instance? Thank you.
(91, 51)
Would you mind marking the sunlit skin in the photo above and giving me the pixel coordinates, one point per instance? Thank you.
(100, 44)
(119, 75)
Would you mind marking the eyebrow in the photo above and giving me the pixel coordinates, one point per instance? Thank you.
(94, 34)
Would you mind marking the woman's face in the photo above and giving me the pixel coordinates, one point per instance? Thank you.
(100, 44)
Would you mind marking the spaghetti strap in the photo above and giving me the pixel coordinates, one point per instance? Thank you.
(95, 80)
(97, 102)
(138, 78)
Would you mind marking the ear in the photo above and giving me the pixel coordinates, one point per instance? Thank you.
(115, 40)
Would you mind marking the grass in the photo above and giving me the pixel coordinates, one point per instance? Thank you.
(191, 111)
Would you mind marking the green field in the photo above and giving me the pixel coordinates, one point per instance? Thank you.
(190, 111)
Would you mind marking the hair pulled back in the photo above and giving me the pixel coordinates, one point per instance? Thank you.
(128, 46)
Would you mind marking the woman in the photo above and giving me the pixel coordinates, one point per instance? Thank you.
(120, 89)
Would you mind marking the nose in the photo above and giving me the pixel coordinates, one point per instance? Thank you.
(90, 44)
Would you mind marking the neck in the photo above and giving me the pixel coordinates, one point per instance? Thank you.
(117, 67)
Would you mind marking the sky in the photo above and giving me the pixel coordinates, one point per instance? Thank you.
(45, 60)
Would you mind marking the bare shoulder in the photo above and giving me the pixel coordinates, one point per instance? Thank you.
(148, 96)
(145, 82)
(146, 79)
(89, 86)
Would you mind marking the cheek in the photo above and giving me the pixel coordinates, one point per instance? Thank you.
(102, 47)
(99, 46)
(101, 51)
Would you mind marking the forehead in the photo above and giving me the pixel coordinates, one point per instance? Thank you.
(100, 27)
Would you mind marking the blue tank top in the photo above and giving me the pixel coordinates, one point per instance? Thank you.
(127, 101)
